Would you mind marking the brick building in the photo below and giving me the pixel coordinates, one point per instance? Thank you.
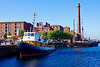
(40, 27)
(57, 27)
(66, 29)
(11, 27)
(47, 27)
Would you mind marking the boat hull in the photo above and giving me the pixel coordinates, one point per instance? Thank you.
(25, 49)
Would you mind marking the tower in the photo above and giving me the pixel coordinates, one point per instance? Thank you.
(78, 20)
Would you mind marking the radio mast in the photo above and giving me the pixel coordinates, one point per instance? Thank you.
(82, 28)
(74, 30)
(74, 25)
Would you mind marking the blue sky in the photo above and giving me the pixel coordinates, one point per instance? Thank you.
(60, 12)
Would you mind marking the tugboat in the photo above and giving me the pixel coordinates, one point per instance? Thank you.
(32, 45)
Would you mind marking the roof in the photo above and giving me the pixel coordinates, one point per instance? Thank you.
(66, 27)
(56, 25)
(16, 22)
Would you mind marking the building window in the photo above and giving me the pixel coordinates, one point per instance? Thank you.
(6, 27)
(20, 24)
(15, 34)
(15, 23)
(1, 24)
(47, 29)
(10, 30)
(1, 34)
(15, 30)
(10, 27)
(15, 27)
(6, 24)
(10, 24)
(1, 27)
(1, 30)
(6, 31)
(56, 26)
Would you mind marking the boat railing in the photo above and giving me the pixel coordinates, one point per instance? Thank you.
(50, 46)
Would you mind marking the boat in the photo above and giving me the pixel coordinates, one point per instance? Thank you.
(32, 45)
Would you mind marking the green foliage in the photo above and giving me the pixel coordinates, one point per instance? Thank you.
(68, 35)
(43, 35)
(5, 35)
(58, 35)
(50, 35)
(21, 33)
(9, 34)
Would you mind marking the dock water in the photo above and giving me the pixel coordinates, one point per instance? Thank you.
(10, 50)
(7, 50)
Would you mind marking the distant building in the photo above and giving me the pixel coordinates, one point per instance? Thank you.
(57, 27)
(40, 27)
(66, 29)
(6, 27)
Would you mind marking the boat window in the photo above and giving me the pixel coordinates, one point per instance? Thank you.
(25, 34)
(32, 34)
(28, 34)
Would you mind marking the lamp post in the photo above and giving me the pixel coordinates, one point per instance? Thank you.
(18, 30)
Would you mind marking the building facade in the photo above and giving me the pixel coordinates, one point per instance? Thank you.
(66, 29)
(6, 27)
(40, 27)
(57, 27)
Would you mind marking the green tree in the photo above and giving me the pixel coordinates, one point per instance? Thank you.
(68, 35)
(50, 35)
(21, 33)
(56, 34)
(43, 35)
(59, 35)
(5, 35)
(9, 34)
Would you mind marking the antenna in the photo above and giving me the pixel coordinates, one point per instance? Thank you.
(74, 29)
(74, 25)
(82, 28)
(34, 18)
(34, 21)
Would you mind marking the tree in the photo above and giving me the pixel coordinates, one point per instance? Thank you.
(56, 34)
(43, 35)
(5, 35)
(59, 35)
(50, 35)
(68, 35)
(21, 33)
(9, 34)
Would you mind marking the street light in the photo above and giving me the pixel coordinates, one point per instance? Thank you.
(18, 30)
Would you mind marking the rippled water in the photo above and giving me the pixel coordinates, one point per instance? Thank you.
(63, 57)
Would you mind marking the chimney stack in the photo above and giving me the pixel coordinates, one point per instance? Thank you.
(78, 19)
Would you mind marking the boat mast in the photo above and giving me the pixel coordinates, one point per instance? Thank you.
(34, 22)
